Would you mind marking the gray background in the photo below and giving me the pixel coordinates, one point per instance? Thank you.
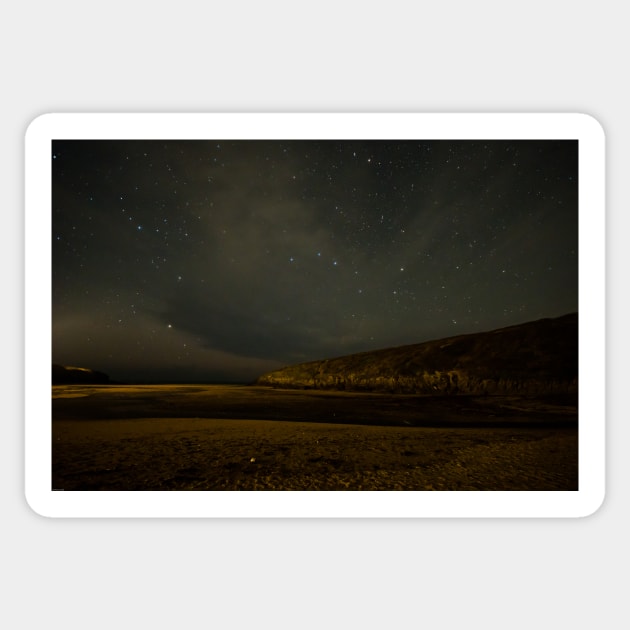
(333, 56)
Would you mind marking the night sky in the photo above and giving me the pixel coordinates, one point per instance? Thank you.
(217, 261)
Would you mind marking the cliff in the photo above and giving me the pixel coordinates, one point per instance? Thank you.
(539, 357)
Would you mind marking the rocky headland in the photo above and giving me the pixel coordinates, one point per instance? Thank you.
(68, 375)
(539, 357)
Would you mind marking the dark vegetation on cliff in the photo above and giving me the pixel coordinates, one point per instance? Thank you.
(539, 357)
(67, 375)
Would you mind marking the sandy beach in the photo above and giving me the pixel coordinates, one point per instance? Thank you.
(251, 438)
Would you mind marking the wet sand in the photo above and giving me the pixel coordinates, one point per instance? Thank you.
(254, 438)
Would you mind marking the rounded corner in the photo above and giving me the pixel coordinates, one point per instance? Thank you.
(594, 124)
(595, 506)
(40, 121)
(34, 508)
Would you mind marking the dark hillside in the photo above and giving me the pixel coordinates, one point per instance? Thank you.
(537, 357)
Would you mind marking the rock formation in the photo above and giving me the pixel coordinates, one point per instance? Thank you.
(537, 357)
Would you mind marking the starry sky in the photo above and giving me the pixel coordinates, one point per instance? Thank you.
(217, 261)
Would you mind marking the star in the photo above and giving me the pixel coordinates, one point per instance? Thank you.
(275, 202)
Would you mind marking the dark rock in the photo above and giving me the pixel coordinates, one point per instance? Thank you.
(67, 375)
(533, 358)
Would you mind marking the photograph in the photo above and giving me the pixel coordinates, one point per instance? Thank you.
(314, 314)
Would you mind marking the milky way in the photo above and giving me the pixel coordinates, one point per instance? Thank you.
(220, 260)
